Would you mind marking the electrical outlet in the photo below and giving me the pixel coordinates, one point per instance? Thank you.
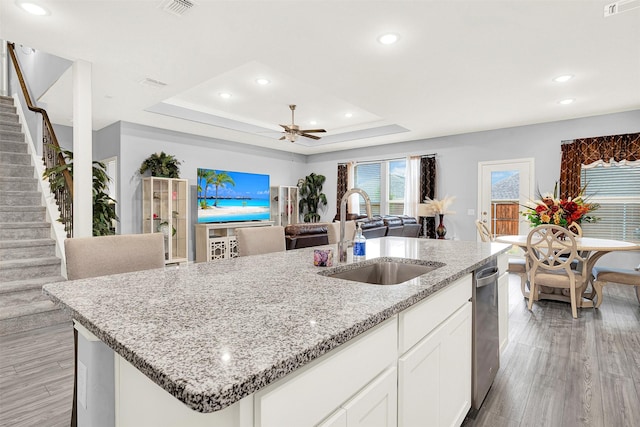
(82, 384)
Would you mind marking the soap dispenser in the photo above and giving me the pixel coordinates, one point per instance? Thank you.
(359, 244)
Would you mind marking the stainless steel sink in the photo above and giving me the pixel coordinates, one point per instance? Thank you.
(385, 272)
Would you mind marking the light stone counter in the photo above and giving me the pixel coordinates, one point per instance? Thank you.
(213, 333)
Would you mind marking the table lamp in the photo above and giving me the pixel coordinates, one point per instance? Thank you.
(424, 210)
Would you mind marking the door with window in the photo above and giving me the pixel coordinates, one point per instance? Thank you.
(504, 186)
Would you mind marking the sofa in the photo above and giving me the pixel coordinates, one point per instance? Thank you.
(304, 235)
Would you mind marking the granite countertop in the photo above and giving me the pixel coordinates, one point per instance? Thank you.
(213, 333)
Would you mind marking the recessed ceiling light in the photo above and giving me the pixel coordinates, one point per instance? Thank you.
(566, 101)
(225, 95)
(32, 8)
(313, 122)
(262, 81)
(389, 38)
(348, 115)
(563, 78)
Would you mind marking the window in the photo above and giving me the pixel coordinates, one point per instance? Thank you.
(384, 183)
(617, 190)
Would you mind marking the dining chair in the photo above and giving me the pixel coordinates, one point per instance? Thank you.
(516, 265)
(603, 276)
(551, 250)
(88, 257)
(260, 240)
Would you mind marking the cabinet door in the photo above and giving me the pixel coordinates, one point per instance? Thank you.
(434, 377)
(376, 405)
(337, 419)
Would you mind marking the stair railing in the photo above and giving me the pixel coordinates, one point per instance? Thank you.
(51, 154)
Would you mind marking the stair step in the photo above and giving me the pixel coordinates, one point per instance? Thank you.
(18, 184)
(29, 268)
(21, 297)
(10, 126)
(6, 100)
(22, 214)
(11, 158)
(20, 198)
(28, 284)
(24, 230)
(26, 317)
(7, 135)
(14, 147)
(7, 108)
(27, 248)
(9, 117)
(16, 171)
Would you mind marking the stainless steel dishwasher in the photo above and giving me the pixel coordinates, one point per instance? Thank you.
(486, 343)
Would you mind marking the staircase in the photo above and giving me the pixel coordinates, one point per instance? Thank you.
(27, 253)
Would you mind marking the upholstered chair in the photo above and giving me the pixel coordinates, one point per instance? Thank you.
(88, 257)
(260, 240)
(99, 256)
(551, 250)
(333, 231)
(602, 276)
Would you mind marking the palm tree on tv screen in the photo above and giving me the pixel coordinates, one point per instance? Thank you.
(220, 179)
(207, 176)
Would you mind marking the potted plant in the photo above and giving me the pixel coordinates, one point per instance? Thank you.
(161, 165)
(104, 207)
(312, 199)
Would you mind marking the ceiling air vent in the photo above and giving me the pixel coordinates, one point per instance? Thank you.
(620, 7)
(177, 7)
(152, 82)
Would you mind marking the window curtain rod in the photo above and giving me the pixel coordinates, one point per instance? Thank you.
(423, 156)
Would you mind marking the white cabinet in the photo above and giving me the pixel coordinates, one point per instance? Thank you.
(435, 376)
(434, 373)
(165, 209)
(284, 205)
(218, 241)
(376, 404)
(503, 302)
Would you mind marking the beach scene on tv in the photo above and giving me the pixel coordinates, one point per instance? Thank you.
(226, 196)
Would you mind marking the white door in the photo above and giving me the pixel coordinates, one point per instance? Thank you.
(505, 184)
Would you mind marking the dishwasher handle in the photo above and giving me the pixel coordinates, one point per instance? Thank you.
(486, 277)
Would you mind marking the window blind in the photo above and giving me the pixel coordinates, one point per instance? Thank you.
(368, 176)
(617, 190)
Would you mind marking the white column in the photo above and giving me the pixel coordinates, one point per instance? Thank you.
(82, 150)
(4, 63)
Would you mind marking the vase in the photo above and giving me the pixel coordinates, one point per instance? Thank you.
(441, 230)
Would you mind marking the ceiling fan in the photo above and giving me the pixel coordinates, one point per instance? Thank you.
(292, 131)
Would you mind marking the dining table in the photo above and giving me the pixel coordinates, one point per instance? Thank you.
(590, 248)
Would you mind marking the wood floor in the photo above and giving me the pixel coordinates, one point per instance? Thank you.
(556, 371)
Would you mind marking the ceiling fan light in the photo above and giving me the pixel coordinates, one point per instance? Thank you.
(291, 137)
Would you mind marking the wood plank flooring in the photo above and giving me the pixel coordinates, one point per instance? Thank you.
(556, 371)
(560, 371)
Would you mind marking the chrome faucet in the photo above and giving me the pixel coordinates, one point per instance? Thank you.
(342, 244)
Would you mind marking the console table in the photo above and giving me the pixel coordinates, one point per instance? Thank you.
(218, 240)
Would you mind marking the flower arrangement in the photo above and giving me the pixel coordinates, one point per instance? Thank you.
(439, 207)
(549, 209)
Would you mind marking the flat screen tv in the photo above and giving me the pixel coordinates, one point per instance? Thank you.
(226, 196)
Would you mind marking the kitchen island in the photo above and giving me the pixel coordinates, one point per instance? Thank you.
(231, 342)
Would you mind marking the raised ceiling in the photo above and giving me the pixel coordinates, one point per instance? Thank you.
(459, 66)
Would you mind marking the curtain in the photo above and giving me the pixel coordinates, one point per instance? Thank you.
(343, 185)
(412, 186)
(428, 189)
(586, 151)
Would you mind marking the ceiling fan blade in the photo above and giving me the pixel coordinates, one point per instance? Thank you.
(281, 138)
(306, 135)
(312, 130)
(286, 128)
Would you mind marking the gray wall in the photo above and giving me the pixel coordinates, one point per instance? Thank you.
(139, 142)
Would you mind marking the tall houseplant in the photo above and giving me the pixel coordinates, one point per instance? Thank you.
(161, 165)
(104, 207)
(312, 199)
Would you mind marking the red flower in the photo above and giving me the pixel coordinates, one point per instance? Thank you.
(541, 208)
